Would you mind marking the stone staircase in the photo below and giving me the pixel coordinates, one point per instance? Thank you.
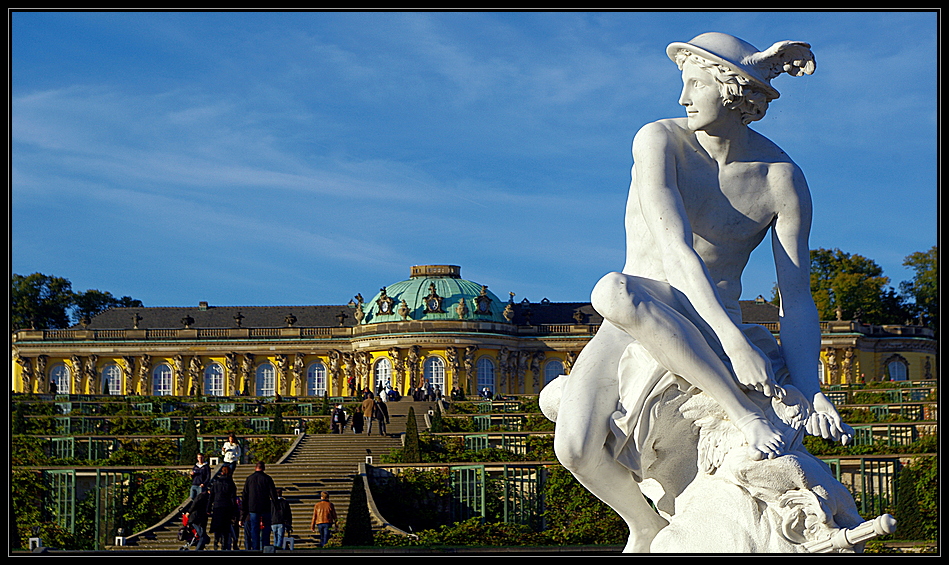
(317, 463)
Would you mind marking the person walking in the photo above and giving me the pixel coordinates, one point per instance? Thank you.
(231, 451)
(200, 477)
(197, 514)
(222, 501)
(259, 495)
(381, 415)
(324, 517)
(282, 519)
(368, 412)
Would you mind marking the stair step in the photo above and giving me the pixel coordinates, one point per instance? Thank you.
(318, 463)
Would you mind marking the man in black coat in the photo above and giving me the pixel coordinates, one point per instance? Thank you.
(258, 496)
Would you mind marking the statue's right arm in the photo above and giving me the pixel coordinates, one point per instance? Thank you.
(655, 150)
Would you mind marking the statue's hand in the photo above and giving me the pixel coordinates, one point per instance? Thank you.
(825, 422)
(753, 371)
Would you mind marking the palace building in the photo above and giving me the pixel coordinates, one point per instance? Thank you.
(435, 327)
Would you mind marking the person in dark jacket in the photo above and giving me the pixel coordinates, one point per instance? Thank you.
(282, 519)
(200, 477)
(198, 518)
(258, 496)
(222, 502)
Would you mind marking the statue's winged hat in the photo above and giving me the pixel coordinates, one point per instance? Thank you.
(759, 67)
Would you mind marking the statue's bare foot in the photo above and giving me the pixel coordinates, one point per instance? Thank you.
(764, 441)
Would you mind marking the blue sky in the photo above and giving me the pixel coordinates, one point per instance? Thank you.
(301, 158)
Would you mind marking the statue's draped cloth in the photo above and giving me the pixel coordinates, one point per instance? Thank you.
(642, 382)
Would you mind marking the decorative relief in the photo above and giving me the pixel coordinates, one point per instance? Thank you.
(144, 366)
(128, 372)
(299, 369)
(483, 302)
(404, 310)
(282, 365)
(26, 373)
(385, 305)
(433, 302)
(40, 374)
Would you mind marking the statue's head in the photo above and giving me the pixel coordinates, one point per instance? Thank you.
(742, 72)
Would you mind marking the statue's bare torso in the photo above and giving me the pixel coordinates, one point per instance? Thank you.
(729, 208)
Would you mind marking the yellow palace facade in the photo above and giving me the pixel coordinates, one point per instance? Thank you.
(433, 328)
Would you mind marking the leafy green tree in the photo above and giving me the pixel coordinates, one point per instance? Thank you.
(91, 302)
(917, 510)
(923, 289)
(40, 301)
(855, 286)
(576, 517)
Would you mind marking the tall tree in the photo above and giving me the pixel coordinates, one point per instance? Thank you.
(39, 301)
(923, 289)
(855, 287)
(91, 302)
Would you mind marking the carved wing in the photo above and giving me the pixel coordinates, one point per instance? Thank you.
(792, 57)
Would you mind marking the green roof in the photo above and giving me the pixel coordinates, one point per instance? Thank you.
(434, 292)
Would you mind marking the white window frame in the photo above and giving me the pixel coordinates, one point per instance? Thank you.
(265, 383)
(316, 379)
(214, 379)
(162, 380)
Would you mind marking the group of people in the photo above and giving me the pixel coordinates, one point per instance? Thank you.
(260, 509)
(426, 393)
(369, 411)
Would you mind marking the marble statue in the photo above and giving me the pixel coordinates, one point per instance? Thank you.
(675, 399)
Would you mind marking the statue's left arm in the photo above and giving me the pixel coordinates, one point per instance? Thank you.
(800, 325)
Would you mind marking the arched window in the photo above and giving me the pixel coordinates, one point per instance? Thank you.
(485, 374)
(59, 375)
(898, 370)
(383, 373)
(111, 379)
(435, 372)
(822, 375)
(316, 379)
(161, 380)
(265, 380)
(214, 380)
(552, 370)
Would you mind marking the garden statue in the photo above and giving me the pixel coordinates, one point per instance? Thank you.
(675, 398)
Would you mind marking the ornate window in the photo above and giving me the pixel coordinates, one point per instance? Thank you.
(162, 380)
(552, 370)
(485, 374)
(383, 373)
(897, 368)
(59, 374)
(112, 379)
(214, 380)
(316, 379)
(266, 380)
(435, 371)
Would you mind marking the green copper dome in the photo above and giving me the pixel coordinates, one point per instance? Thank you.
(434, 292)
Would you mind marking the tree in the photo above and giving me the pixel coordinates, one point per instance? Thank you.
(924, 288)
(91, 302)
(189, 443)
(855, 287)
(39, 301)
(411, 450)
(358, 530)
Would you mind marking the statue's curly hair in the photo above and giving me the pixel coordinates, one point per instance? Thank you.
(736, 90)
